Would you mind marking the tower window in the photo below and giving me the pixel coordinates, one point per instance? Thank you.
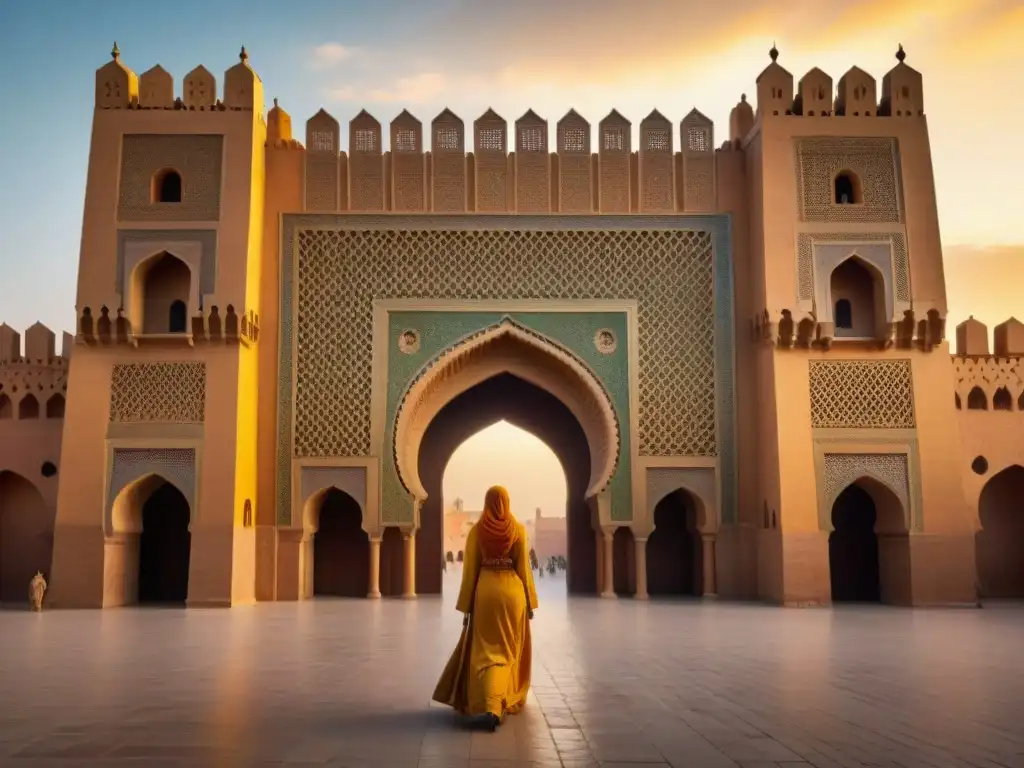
(167, 187)
(844, 314)
(847, 189)
(177, 320)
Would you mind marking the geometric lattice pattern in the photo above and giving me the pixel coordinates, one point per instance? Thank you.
(874, 161)
(175, 465)
(197, 158)
(805, 258)
(669, 272)
(861, 394)
(163, 392)
(841, 469)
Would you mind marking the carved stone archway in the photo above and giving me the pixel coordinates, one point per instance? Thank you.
(507, 347)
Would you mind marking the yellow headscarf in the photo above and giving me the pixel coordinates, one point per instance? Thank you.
(497, 527)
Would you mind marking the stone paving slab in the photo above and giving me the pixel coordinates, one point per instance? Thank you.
(616, 683)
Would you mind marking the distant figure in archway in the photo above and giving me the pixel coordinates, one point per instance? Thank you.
(488, 675)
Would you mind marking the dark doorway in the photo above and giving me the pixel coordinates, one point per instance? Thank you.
(853, 548)
(1000, 542)
(542, 414)
(26, 536)
(177, 321)
(624, 562)
(341, 548)
(672, 561)
(392, 562)
(164, 547)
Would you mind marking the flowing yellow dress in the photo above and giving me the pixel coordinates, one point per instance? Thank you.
(490, 668)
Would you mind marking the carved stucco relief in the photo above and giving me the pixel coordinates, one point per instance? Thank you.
(175, 465)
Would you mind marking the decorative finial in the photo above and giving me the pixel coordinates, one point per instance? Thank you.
(901, 54)
(743, 98)
(774, 52)
(275, 102)
(115, 52)
(242, 55)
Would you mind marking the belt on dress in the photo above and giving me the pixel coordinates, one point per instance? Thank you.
(497, 563)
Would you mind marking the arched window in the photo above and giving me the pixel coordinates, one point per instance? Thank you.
(177, 321)
(167, 187)
(55, 407)
(6, 410)
(847, 189)
(28, 408)
(976, 400)
(1002, 400)
(844, 314)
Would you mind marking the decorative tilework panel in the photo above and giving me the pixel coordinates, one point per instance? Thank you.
(862, 394)
(197, 158)
(162, 392)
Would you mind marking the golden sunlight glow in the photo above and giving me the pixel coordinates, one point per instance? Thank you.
(503, 454)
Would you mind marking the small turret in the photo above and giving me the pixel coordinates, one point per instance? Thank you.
(117, 87)
(814, 95)
(156, 89)
(1009, 338)
(902, 91)
(774, 88)
(279, 126)
(741, 120)
(243, 89)
(972, 338)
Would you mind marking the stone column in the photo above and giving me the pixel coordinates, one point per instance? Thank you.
(608, 561)
(708, 559)
(374, 591)
(640, 562)
(409, 571)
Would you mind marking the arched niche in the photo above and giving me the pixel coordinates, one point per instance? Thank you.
(507, 348)
(1002, 400)
(674, 556)
(166, 186)
(157, 277)
(137, 473)
(340, 547)
(700, 483)
(55, 406)
(6, 407)
(857, 289)
(847, 189)
(999, 544)
(977, 400)
(893, 471)
(316, 481)
(28, 407)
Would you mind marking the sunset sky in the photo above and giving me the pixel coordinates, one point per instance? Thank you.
(549, 55)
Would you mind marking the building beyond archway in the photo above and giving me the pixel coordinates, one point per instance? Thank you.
(674, 547)
(341, 548)
(26, 536)
(165, 545)
(1000, 542)
(869, 547)
(529, 407)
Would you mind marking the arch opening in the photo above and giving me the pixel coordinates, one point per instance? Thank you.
(165, 547)
(26, 536)
(6, 409)
(341, 548)
(160, 289)
(999, 545)
(847, 189)
(624, 565)
(858, 295)
(28, 407)
(505, 454)
(166, 186)
(55, 407)
(674, 565)
(977, 400)
(504, 396)
(869, 546)
(1002, 400)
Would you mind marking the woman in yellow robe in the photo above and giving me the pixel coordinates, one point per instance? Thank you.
(488, 676)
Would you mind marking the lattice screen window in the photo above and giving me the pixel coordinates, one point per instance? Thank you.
(162, 392)
(874, 161)
(670, 272)
(531, 139)
(366, 141)
(697, 139)
(862, 394)
(657, 140)
(446, 138)
(492, 140)
(322, 141)
(405, 140)
(573, 140)
(614, 139)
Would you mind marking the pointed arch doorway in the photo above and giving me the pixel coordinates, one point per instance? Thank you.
(507, 372)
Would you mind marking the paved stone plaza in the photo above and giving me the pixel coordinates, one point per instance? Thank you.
(615, 682)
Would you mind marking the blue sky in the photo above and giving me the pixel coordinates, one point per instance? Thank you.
(472, 54)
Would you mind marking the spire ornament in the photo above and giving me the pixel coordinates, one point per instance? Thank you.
(243, 56)
(115, 52)
(774, 53)
(901, 54)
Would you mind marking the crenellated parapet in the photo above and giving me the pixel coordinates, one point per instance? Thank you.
(987, 381)
(208, 326)
(33, 377)
(799, 329)
(118, 87)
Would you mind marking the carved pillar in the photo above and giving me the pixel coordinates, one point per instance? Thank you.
(409, 572)
(374, 591)
(640, 562)
(608, 561)
(708, 560)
